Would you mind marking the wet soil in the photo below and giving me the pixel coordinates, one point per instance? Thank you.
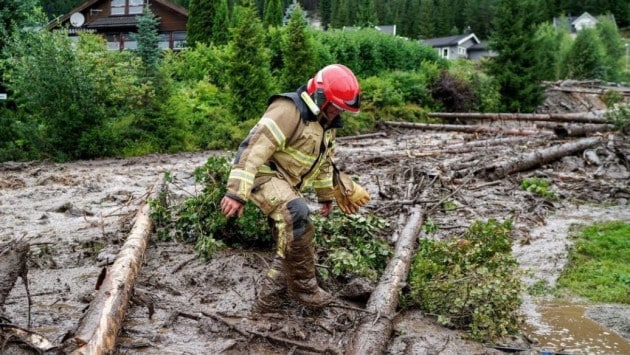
(76, 216)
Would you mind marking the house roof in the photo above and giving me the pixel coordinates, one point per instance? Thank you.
(481, 46)
(451, 40)
(100, 23)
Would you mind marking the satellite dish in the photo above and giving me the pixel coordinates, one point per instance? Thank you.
(77, 19)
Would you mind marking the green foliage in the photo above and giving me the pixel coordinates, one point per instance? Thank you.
(369, 52)
(250, 81)
(59, 89)
(620, 117)
(517, 68)
(148, 41)
(199, 219)
(221, 23)
(273, 14)
(353, 245)
(586, 58)
(611, 98)
(538, 187)
(297, 51)
(471, 282)
(599, 263)
(613, 47)
(200, 23)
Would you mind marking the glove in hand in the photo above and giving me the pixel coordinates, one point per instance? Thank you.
(348, 194)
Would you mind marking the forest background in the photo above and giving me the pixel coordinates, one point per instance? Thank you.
(68, 101)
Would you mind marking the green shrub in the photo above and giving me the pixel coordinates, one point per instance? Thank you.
(538, 187)
(469, 283)
(353, 245)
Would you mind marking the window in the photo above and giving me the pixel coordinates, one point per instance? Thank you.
(445, 52)
(127, 7)
(118, 7)
(135, 6)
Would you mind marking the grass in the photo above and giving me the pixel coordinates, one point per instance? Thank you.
(599, 263)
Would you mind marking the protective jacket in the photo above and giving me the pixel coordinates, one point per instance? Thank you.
(288, 142)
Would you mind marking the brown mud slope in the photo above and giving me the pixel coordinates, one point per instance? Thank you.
(75, 218)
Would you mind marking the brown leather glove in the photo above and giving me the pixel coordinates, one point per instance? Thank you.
(348, 194)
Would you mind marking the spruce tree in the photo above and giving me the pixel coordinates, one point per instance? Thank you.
(148, 40)
(248, 74)
(273, 14)
(298, 52)
(325, 13)
(516, 68)
(221, 23)
(613, 47)
(366, 14)
(201, 16)
(586, 58)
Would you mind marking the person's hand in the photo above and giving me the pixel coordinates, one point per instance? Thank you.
(349, 195)
(325, 208)
(231, 207)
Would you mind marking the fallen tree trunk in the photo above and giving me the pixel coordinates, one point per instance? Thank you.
(531, 160)
(99, 327)
(372, 334)
(583, 117)
(575, 130)
(462, 128)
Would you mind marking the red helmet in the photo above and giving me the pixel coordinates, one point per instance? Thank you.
(335, 84)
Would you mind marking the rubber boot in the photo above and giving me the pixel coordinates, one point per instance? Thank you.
(272, 289)
(300, 271)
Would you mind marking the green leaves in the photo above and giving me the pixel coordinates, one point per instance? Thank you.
(471, 282)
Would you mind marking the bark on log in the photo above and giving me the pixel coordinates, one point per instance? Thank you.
(13, 257)
(362, 136)
(531, 160)
(373, 334)
(583, 117)
(575, 130)
(462, 128)
(99, 327)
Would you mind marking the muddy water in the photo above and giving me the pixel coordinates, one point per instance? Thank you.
(562, 325)
(566, 328)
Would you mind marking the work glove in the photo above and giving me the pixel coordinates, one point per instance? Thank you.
(348, 194)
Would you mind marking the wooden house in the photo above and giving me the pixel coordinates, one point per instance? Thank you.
(453, 47)
(117, 19)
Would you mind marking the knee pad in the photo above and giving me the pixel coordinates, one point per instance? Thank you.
(299, 215)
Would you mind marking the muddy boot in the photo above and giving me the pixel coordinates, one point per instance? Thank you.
(300, 271)
(272, 289)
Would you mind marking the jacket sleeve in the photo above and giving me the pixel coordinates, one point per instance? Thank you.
(265, 138)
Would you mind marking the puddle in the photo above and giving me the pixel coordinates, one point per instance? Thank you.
(562, 326)
(559, 325)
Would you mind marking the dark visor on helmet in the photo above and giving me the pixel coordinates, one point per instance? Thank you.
(355, 103)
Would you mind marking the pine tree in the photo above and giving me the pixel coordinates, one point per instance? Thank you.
(221, 23)
(148, 40)
(586, 58)
(248, 74)
(298, 52)
(273, 14)
(516, 68)
(201, 16)
(325, 13)
(613, 47)
(366, 15)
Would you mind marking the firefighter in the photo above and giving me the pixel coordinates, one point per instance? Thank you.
(290, 148)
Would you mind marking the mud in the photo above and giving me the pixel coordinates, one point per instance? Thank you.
(75, 217)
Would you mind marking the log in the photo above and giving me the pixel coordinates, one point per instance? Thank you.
(13, 258)
(575, 130)
(99, 327)
(362, 136)
(462, 128)
(373, 334)
(583, 117)
(530, 160)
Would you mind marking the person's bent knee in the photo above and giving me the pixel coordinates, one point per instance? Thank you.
(299, 216)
